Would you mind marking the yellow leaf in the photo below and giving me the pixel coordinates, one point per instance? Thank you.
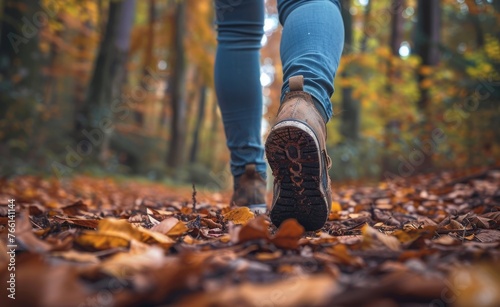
(179, 229)
(155, 237)
(336, 206)
(112, 233)
(426, 70)
(102, 241)
(239, 215)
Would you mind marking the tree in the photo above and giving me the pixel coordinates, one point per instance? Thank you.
(426, 43)
(20, 76)
(350, 112)
(109, 74)
(178, 90)
(148, 60)
(427, 47)
(397, 22)
(199, 123)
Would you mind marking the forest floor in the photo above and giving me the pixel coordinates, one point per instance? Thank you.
(431, 241)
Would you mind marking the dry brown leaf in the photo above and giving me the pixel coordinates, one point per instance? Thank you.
(288, 234)
(410, 235)
(140, 259)
(75, 209)
(488, 235)
(297, 291)
(25, 237)
(155, 237)
(372, 238)
(476, 286)
(239, 216)
(493, 216)
(447, 240)
(171, 227)
(454, 225)
(254, 230)
(77, 256)
(79, 222)
(342, 255)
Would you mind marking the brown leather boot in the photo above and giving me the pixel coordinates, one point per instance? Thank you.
(250, 190)
(296, 152)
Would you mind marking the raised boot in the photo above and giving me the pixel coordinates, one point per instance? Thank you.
(296, 152)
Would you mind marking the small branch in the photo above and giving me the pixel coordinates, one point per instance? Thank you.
(194, 198)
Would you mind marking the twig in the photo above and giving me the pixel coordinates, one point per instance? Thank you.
(194, 198)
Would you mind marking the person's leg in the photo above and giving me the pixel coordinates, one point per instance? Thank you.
(311, 46)
(237, 80)
(237, 83)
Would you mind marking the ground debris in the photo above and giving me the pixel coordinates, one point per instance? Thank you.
(432, 240)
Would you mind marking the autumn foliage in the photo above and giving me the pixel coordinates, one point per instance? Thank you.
(93, 240)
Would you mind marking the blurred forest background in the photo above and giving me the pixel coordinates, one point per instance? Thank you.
(126, 87)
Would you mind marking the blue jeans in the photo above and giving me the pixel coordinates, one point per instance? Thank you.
(311, 45)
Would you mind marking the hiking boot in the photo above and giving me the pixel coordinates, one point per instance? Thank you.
(296, 152)
(250, 190)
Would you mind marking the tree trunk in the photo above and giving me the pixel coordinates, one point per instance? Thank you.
(350, 112)
(108, 77)
(426, 42)
(20, 75)
(199, 124)
(147, 63)
(427, 47)
(366, 21)
(396, 39)
(474, 14)
(178, 90)
(397, 26)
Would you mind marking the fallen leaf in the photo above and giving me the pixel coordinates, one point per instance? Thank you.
(254, 230)
(409, 235)
(476, 285)
(268, 256)
(239, 216)
(79, 222)
(171, 227)
(372, 238)
(25, 236)
(488, 235)
(77, 256)
(155, 237)
(111, 233)
(342, 256)
(335, 207)
(447, 240)
(75, 208)
(296, 291)
(125, 265)
(288, 234)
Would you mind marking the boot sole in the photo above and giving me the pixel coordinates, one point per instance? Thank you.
(294, 155)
